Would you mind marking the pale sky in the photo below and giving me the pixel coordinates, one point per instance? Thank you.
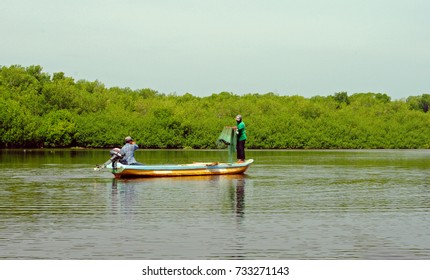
(289, 47)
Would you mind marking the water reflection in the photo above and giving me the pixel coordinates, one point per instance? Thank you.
(237, 196)
(122, 198)
(225, 191)
(293, 205)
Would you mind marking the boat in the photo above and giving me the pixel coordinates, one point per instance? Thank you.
(171, 170)
(226, 138)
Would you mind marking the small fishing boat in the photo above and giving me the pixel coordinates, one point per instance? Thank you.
(167, 170)
(227, 137)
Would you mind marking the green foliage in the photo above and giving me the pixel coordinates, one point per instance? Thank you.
(18, 127)
(420, 103)
(40, 110)
(58, 128)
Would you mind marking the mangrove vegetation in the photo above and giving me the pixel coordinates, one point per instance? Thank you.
(39, 110)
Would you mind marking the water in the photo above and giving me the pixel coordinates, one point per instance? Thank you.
(289, 205)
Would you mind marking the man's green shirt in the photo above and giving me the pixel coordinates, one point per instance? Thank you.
(242, 131)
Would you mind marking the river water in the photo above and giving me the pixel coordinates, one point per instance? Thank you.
(348, 204)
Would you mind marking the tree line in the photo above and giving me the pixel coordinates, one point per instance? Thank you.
(41, 110)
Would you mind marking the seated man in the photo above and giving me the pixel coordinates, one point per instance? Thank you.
(128, 151)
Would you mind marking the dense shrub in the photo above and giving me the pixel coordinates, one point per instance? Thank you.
(42, 110)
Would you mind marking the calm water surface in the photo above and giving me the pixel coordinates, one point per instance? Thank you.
(289, 205)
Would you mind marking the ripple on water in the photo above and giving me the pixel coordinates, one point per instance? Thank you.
(296, 205)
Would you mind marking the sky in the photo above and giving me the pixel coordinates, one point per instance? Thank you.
(288, 47)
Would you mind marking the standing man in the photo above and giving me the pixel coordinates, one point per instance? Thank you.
(241, 138)
(128, 151)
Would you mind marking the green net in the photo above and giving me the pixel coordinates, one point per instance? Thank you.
(228, 138)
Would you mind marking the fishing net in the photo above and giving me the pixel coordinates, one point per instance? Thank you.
(228, 138)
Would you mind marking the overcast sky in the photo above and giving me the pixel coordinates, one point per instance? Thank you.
(289, 47)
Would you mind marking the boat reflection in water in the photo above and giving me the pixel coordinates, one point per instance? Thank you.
(193, 193)
(239, 197)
